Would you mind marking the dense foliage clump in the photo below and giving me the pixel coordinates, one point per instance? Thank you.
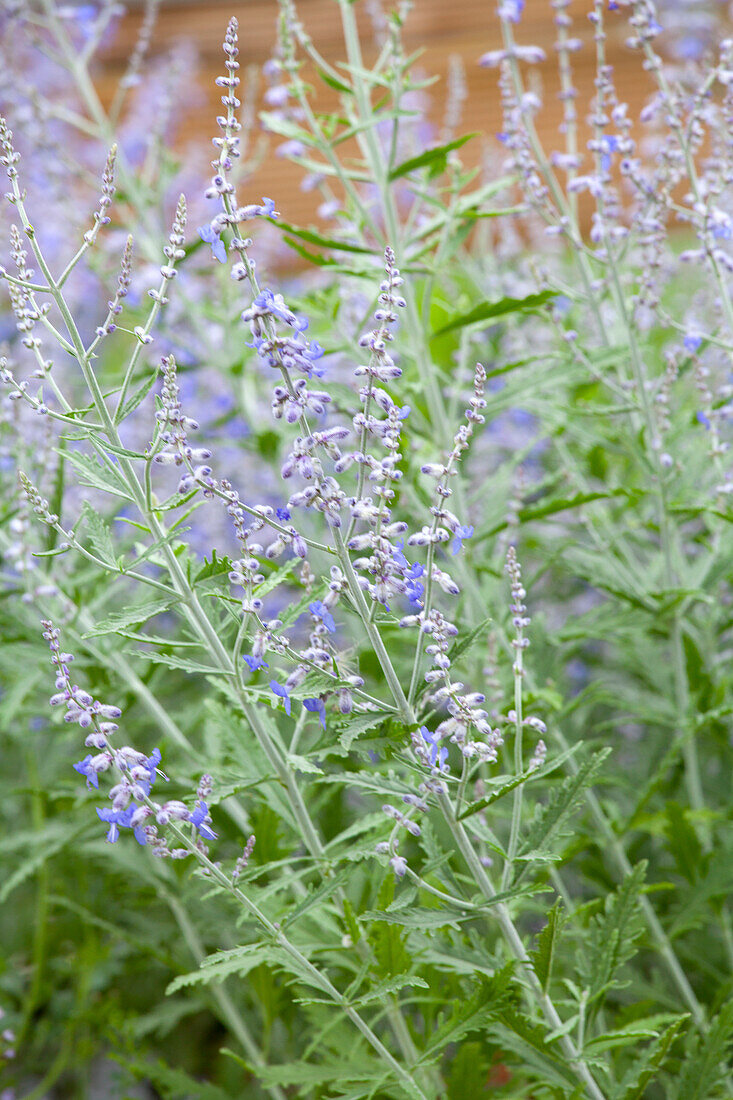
(383, 609)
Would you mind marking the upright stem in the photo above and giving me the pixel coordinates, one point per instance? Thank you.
(461, 836)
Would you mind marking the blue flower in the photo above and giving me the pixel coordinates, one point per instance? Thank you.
(609, 144)
(120, 819)
(197, 817)
(692, 342)
(267, 210)
(208, 234)
(282, 693)
(274, 304)
(702, 419)
(318, 707)
(84, 768)
(438, 755)
(319, 611)
(253, 663)
(415, 591)
(283, 515)
(511, 10)
(151, 766)
(463, 532)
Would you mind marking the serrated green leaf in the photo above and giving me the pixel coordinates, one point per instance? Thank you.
(473, 1014)
(528, 1041)
(632, 1085)
(707, 1061)
(303, 764)
(55, 840)
(314, 898)
(421, 918)
(358, 725)
(388, 987)
(543, 956)
(563, 802)
(614, 933)
(173, 660)
(464, 644)
(216, 567)
(469, 1072)
(310, 1076)
(131, 616)
(386, 939)
(238, 960)
(96, 475)
(502, 785)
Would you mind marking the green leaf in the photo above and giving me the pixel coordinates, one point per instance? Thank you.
(387, 940)
(95, 475)
(359, 724)
(684, 843)
(469, 1072)
(468, 640)
(277, 124)
(172, 1084)
(528, 1041)
(308, 1077)
(473, 1013)
(215, 968)
(310, 236)
(325, 892)
(693, 908)
(49, 841)
(632, 1085)
(543, 956)
(137, 398)
(337, 85)
(303, 764)
(131, 616)
(216, 567)
(614, 933)
(421, 918)
(631, 1035)
(488, 311)
(172, 660)
(435, 159)
(99, 535)
(502, 785)
(564, 800)
(707, 1061)
(388, 987)
(103, 445)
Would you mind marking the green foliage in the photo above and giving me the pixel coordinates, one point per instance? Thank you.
(517, 920)
(547, 943)
(614, 934)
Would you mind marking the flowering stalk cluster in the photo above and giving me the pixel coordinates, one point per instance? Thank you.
(135, 771)
(386, 565)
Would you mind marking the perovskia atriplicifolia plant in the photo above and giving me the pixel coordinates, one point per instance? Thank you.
(384, 611)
